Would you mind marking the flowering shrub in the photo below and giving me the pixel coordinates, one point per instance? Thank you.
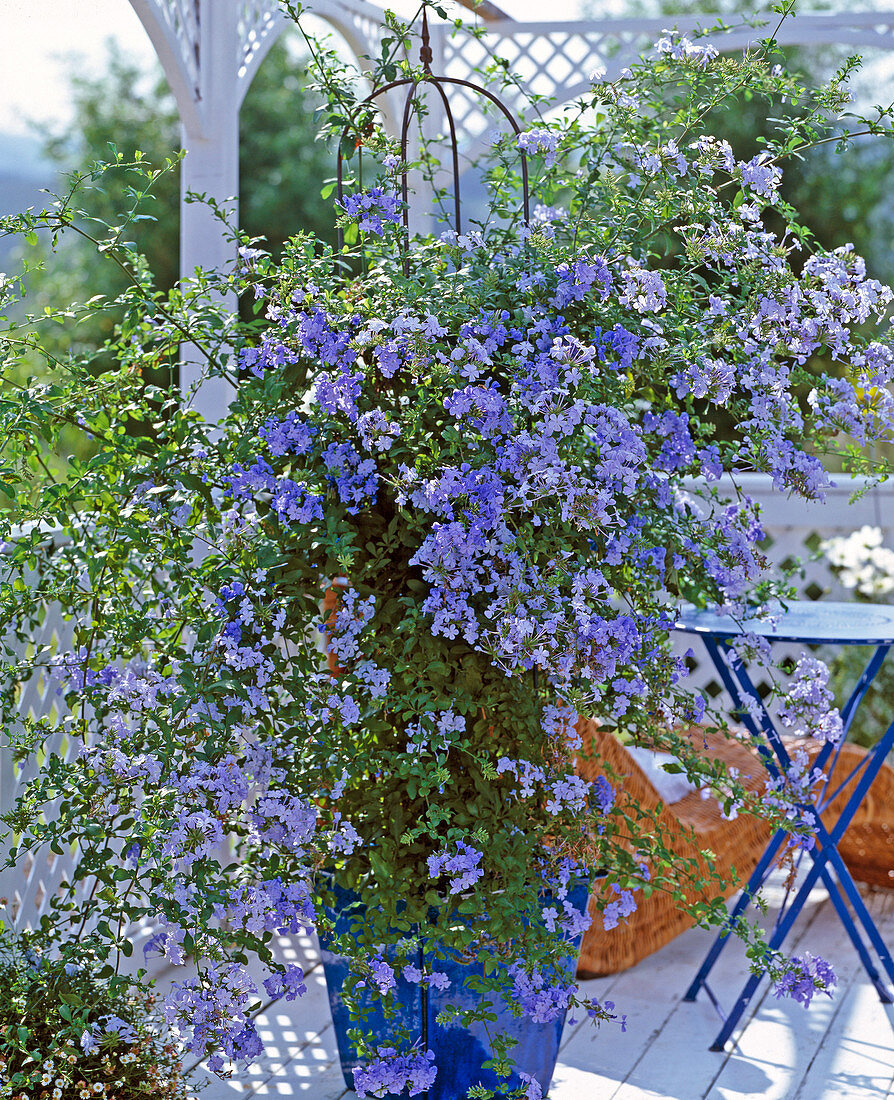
(470, 485)
(66, 1034)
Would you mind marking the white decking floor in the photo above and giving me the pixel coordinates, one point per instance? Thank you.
(839, 1048)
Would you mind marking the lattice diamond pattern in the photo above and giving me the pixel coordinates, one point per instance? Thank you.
(28, 889)
(257, 20)
(182, 19)
(553, 63)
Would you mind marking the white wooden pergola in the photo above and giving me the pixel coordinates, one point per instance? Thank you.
(210, 51)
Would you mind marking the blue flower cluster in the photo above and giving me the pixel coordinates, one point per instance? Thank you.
(808, 706)
(462, 867)
(806, 976)
(392, 1072)
(372, 208)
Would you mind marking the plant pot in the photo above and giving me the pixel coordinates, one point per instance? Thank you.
(459, 1051)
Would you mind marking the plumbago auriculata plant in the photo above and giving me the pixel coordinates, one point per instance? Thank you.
(483, 469)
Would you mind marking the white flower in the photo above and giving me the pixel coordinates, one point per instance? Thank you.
(862, 563)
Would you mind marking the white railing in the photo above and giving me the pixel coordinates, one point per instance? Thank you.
(794, 528)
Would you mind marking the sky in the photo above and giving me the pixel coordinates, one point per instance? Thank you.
(40, 39)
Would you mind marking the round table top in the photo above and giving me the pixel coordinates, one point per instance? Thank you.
(808, 621)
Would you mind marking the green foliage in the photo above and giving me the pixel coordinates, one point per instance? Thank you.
(282, 168)
(838, 198)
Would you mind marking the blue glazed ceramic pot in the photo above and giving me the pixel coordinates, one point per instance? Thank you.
(459, 1051)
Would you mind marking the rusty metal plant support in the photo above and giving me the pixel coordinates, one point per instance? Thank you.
(438, 82)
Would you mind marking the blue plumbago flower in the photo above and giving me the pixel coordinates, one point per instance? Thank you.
(382, 975)
(540, 141)
(678, 47)
(617, 911)
(212, 1009)
(269, 906)
(355, 478)
(462, 867)
(807, 706)
(293, 435)
(372, 208)
(288, 983)
(391, 1071)
(541, 996)
(572, 922)
(643, 290)
(435, 979)
(604, 1011)
(804, 977)
(376, 430)
(789, 792)
(761, 177)
(532, 1087)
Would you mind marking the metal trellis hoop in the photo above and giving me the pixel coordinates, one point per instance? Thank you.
(438, 82)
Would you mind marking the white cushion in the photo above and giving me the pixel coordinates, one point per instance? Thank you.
(671, 787)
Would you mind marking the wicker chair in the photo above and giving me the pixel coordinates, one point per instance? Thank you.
(738, 843)
(867, 846)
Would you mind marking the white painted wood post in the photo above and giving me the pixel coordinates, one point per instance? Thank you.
(210, 167)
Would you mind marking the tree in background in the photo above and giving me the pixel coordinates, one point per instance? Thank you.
(282, 169)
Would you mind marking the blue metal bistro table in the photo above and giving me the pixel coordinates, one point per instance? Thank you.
(811, 624)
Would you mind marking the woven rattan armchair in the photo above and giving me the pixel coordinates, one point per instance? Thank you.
(691, 827)
(867, 847)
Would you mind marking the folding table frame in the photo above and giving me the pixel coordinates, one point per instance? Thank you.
(810, 624)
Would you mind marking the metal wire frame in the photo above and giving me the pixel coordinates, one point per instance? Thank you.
(412, 84)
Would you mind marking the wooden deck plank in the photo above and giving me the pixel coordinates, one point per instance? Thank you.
(298, 1031)
(856, 1058)
(646, 994)
(783, 1040)
(690, 1027)
(655, 1068)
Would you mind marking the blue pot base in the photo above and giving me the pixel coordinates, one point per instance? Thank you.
(459, 1051)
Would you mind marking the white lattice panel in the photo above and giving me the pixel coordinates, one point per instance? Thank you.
(257, 21)
(181, 18)
(555, 60)
(28, 889)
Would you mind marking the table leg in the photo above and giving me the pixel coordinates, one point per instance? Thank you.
(826, 860)
(754, 883)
